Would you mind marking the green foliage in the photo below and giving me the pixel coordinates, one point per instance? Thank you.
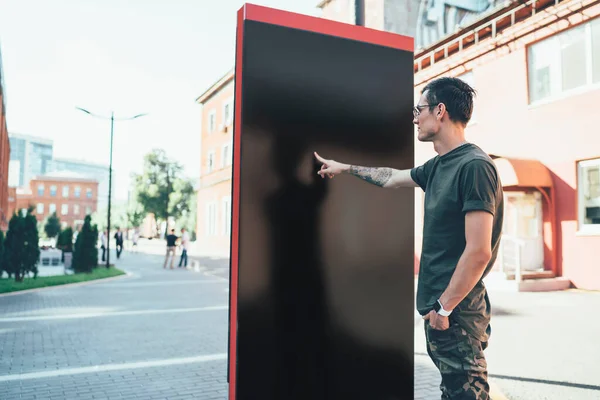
(85, 257)
(65, 240)
(135, 215)
(2, 254)
(21, 246)
(52, 226)
(161, 189)
(31, 244)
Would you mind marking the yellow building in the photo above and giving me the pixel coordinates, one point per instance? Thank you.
(214, 193)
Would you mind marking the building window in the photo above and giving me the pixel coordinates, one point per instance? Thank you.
(40, 208)
(88, 193)
(65, 191)
(88, 210)
(76, 209)
(564, 62)
(53, 190)
(226, 215)
(52, 208)
(226, 155)
(211, 219)
(211, 161)
(228, 112)
(588, 195)
(212, 121)
(40, 190)
(77, 191)
(64, 209)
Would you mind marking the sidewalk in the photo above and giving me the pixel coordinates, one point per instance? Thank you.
(427, 377)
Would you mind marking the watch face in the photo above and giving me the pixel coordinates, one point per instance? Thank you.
(436, 306)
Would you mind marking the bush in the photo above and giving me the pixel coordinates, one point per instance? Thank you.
(21, 246)
(85, 257)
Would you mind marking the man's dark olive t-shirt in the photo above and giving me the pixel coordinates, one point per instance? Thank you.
(462, 180)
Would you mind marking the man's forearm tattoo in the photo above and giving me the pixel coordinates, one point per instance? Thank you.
(376, 176)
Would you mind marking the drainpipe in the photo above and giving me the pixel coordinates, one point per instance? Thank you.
(359, 12)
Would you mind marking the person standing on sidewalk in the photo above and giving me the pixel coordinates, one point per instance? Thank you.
(185, 241)
(461, 234)
(119, 242)
(171, 248)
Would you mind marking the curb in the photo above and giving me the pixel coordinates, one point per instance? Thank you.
(495, 392)
(74, 284)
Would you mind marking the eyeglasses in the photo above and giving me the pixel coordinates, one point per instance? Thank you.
(417, 109)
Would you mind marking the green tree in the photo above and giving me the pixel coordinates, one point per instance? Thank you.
(2, 255)
(161, 189)
(13, 246)
(85, 257)
(31, 244)
(135, 215)
(22, 245)
(52, 226)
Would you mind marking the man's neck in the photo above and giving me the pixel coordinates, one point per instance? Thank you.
(449, 142)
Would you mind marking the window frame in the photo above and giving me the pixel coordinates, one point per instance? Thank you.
(561, 94)
(582, 228)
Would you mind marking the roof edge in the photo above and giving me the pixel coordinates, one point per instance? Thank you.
(225, 79)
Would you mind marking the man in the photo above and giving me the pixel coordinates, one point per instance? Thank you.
(119, 242)
(185, 240)
(103, 239)
(461, 233)
(171, 246)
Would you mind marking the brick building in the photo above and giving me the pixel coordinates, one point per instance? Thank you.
(536, 67)
(214, 192)
(71, 196)
(4, 154)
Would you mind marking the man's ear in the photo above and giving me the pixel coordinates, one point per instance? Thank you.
(441, 111)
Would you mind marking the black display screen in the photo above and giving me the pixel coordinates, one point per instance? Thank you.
(325, 267)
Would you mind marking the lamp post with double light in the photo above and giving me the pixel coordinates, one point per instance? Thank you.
(112, 122)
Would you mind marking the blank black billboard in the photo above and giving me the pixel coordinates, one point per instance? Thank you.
(322, 270)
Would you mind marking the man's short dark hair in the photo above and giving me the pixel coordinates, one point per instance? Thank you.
(172, 230)
(456, 95)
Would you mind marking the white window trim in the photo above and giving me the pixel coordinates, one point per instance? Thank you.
(226, 207)
(562, 94)
(210, 232)
(40, 210)
(212, 116)
(64, 209)
(225, 160)
(210, 169)
(229, 102)
(582, 228)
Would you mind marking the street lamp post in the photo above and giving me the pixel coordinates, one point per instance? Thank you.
(112, 122)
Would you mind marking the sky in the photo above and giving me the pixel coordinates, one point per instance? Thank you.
(122, 56)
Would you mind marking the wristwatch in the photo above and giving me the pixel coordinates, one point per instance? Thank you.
(439, 308)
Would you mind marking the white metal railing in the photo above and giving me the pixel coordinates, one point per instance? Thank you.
(512, 248)
(475, 31)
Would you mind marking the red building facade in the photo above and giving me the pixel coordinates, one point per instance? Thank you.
(536, 68)
(4, 155)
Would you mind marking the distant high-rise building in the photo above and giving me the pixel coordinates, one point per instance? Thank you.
(30, 156)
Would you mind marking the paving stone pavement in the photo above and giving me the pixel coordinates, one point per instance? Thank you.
(144, 336)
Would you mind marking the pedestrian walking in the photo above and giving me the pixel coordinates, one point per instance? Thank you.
(119, 242)
(461, 232)
(171, 248)
(103, 240)
(185, 240)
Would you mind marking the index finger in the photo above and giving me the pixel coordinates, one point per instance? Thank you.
(318, 157)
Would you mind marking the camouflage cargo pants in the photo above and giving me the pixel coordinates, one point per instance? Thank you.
(461, 362)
